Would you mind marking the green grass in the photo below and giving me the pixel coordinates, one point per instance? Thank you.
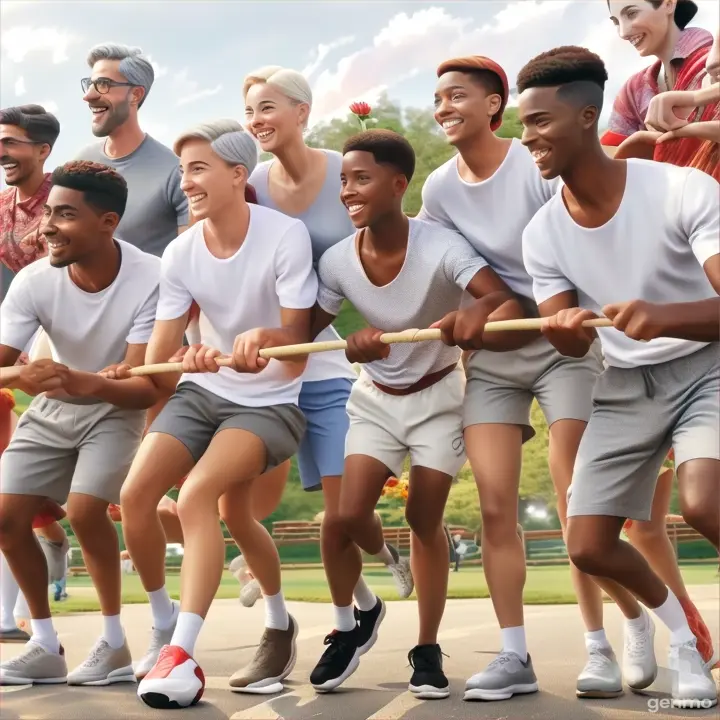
(545, 586)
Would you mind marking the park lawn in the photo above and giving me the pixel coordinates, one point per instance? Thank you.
(545, 586)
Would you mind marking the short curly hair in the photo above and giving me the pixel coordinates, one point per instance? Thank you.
(387, 147)
(579, 74)
(102, 187)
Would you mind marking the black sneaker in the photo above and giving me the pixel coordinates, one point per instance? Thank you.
(428, 681)
(368, 624)
(338, 662)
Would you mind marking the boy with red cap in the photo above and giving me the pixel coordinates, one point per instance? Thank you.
(488, 193)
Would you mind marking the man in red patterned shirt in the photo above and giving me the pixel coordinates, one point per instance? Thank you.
(27, 135)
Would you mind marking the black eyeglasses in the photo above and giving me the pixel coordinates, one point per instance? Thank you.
(103, 85)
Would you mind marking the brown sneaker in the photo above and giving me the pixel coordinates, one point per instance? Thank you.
(273, 662)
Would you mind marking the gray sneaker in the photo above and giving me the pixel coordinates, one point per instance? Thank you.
(158, 640)
(505, 676)
(601, 677)
(35, 665)
(250, 593)
(104, 666)
(14, 635)
(402, 573)
(693, 686)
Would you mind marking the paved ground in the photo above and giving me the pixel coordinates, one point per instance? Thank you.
(378, 690)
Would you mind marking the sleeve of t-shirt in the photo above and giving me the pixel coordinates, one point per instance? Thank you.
(145, 320)
(174, 298)
(548, 280)
(624, 119)
(330, 296)
(177, 198)
(296, 282)
(18, 319)
(462, 262)
(431, 210)
(700, 214)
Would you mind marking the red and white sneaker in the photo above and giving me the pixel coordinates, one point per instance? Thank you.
(176, 681)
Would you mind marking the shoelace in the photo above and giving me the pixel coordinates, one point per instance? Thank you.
(425, 660)
(95, 654)
(336, 645)
(501, 659)
(597, 660)
(636, 645)
(22, 659)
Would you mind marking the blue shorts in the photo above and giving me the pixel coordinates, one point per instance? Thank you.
(322, 449)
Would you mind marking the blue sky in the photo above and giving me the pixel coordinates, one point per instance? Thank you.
(349, 50)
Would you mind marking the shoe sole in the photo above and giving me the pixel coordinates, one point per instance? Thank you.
(374, 636)
(125, 675)
(598, 694)
(160, 701)
(32, 681)
(335, 683)
(428, 692)
(16, 639)
(502, 693)
(274, 685)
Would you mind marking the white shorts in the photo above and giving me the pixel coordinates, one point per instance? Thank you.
(427, 424)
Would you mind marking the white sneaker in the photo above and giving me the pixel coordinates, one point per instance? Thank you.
(640, 666)
(158, 640)
(601, 677)
(250, 593)
(693, 687)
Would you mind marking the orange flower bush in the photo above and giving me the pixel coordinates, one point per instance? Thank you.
(395, 489)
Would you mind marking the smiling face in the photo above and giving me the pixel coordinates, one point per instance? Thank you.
(370, 191)
(210, 183)
(272, 117)
(20, 157)
(463, 106)
(555, 129)
(643, 25)
(111, 109)
(72, 227)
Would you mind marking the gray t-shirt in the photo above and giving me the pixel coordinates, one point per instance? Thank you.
(439, 264)
(156, 205)
(328, 222)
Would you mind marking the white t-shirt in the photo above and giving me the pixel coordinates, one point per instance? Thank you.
(273, 269)
(87, 331)
(491, 214)
(437, 268)
(652, 249)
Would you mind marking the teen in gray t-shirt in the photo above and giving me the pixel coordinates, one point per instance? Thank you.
(156, 205)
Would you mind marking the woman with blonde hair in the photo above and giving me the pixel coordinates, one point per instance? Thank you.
(304, 183)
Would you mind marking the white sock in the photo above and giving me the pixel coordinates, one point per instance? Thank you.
(386, 556)
(162, 607)
(43, 633)
(276, 614)
(673, 616)
(344, 618)
(21, 608)
(186, 631)
(596, 637)
(513, 640)
(113, 631)
(637, 625)
(365, 598)
(9, 591)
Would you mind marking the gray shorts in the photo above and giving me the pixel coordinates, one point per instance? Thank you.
(501, 385)
(638, 414)
(194, 415)
(61, 447)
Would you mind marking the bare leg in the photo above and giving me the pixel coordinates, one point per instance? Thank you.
(167, 512)
(699, 484)
(565, 436)
(427, 496)
(53, 532)
(495, 455)
(99, 542)
(267, 490)
(161, 462)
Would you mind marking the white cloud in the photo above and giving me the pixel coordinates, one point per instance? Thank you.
(50, 106)
(20, 86)
(159, 69)
(159, 130)
(322, 51)
(23, 40)
(199, 95)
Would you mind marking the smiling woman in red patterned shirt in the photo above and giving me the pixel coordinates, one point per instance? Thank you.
(27, 135)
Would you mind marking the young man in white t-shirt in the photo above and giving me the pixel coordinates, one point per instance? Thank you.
(488, 193)
(95, 297)
(399, 273)
(250, 270)
(636, 241)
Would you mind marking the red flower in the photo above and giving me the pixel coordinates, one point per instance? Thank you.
(361, 109)
(392, 482)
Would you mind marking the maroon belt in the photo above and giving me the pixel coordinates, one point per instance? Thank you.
(422, 384)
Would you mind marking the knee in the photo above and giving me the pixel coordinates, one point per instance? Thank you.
(647, 532)
(192, 501)
(350, 521)
(587, 554)
(498, 523)
(11, 526)
(697, 512)
(425, 527)
(85, 513)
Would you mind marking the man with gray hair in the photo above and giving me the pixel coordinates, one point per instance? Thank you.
(119, 84)
(251, 270)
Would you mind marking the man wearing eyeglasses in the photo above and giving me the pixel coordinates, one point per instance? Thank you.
(157, 209)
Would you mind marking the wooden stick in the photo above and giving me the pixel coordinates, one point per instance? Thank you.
(406, 336)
